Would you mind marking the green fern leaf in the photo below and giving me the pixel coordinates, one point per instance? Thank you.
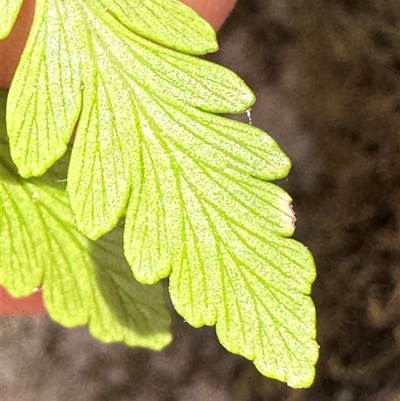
(192, 184)
(84, 282)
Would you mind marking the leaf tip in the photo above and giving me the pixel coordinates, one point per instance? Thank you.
(211, 46)
(302, 382)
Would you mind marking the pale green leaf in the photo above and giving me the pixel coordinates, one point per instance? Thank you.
(192, 184)
(9, 10)
(84, 282)
(197, 215)
(170, 23)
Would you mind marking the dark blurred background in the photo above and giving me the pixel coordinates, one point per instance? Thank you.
(327, 77)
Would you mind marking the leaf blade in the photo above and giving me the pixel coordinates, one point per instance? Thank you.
(44, 101)
(163, 21)
(226, 235)
(237, 271)
(191, 182)
(83, 282)
(9, 12)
